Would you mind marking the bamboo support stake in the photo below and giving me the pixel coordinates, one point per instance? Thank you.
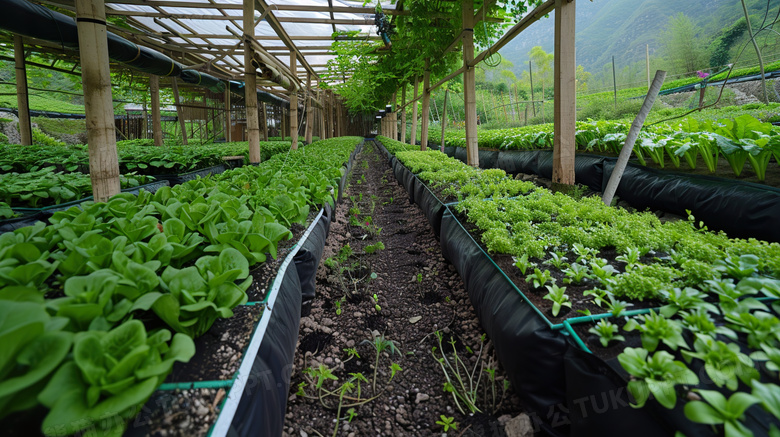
(394, 115)
(179, 111)
(22, 98)
(444, 119)
(531, 78)
(309, 110)
(633, 134)
(647, 65)
(228, 118)
(96, 80)
(565, 101)
(322, 115)
(264, 113)
(294, 104)
(403, 114)
(250, 78)
(154, 93)
(426, 105)
(614, 81)
(413, 139)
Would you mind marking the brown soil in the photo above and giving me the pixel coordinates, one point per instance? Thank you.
(411, 311)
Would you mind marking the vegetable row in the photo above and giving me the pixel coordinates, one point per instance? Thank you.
(144, 159)
(98, 305)
(42, 184)
(739, 141)
(716, 296)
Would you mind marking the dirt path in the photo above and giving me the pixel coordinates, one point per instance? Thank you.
(414, 294)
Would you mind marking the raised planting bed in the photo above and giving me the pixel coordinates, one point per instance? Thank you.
(742, 209)
(712, 330)
(112, 295)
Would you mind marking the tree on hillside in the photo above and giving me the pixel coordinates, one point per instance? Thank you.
(542, 65)
(682, 45)
(581, 78)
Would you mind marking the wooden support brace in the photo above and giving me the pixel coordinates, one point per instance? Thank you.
(154, 93)
(469, 85)
(426, 106)
(564, 145)
(250, 79)
(293, 104)
(22, 98)
(413, 139)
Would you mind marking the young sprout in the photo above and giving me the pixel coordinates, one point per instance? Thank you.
(606, 331)
(559, 298)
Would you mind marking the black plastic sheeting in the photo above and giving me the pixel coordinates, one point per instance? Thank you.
(238, 88)
(260, 411)
(741, 209)
(567, 391)
(214, 84)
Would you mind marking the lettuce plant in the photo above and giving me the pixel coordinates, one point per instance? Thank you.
(558, 297)
(656, 374)
(111, 376)
(607, 332)
(656, 329)
(717, 410)
(34, 345)
(195, 297)
(723, 362)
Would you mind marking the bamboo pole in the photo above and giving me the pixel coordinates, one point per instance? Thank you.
(264, 113)
(614, 81)
(403, 114)
(647, 65)
(395, 116)
(633, 134)
(565, 101)
(154, 93)
(426, 105)
(758, 52)
(413, 139)
(228, 118)
(309, 110)
(294, 103)
(179, 111)
(322, 115)
(22, 98)
(96, 80)
(531, 77)
(444, 119)
(250, 78)
(469, 85)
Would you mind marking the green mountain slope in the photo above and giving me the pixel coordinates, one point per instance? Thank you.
(622, 28)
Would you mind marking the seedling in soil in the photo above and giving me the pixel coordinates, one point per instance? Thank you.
(376, 303)
(584, 253)
(615, 306)
(539, 278)
(559, 298)
(606, 331)
(372, 248)
(338, 304)
(447, 423)
(522, 263)
(556, 260)
(419, 284)
(381, 344)
(463, 383)
(575, 274)
(352, 414)
(351, 353)
(394, 368)
(631, 257)
(656, 329)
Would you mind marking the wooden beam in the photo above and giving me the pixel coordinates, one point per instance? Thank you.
(539, 12)
(96, 80)
(426, 105)
(275, 24)
(154, 93)
(413, 139)
(293, 105)
(564, 146)
(22, 98)
(469, 84)
(250, 80)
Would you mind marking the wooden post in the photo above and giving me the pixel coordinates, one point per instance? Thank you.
(564, 146)
(179, 111)
(413, 139)
(250, 78)
(228, 118)
(22, 99)
(426, 105)
(294, 103)
(444, 119)
(309, 110)
(154, 93)
(633, 134)
(403, 115)
(531, 77)
(321, 114)
(395, 115)
(332, 114)
(265, 121)
(96, 81)
(469, 85)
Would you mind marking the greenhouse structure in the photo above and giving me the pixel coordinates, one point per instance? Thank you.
(322, 217)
